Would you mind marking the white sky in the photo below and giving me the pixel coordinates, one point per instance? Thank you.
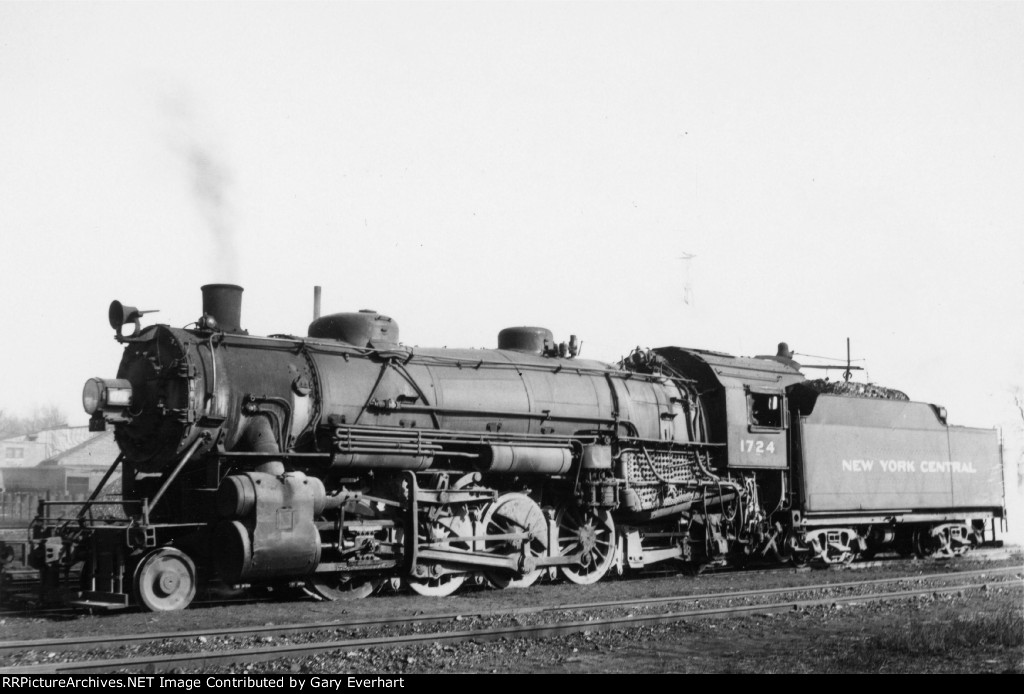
(838, 169)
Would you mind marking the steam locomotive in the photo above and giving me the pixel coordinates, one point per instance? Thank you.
(338, 461)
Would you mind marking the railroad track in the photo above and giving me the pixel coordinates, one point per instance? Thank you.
(21, 586)
(222, 647)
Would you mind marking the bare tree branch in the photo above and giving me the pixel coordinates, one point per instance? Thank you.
(48, 417)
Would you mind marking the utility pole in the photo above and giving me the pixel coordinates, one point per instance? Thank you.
(687, 282)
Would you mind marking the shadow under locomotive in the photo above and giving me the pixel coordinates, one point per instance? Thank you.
(342, 460)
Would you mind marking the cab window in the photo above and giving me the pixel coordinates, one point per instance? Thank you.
(765, 410)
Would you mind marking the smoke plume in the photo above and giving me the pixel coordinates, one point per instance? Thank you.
(209, 180)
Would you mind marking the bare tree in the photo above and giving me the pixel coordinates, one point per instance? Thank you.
(8, 425)
(47, 417)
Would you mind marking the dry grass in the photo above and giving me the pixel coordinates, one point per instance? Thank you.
(950, 637)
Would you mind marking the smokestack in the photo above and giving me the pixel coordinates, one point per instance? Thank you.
(316, 302)
(224, 303)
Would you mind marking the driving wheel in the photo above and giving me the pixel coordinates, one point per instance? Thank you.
(591, 534)
(511, 514)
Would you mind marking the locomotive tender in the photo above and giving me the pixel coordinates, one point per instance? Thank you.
(343, 459)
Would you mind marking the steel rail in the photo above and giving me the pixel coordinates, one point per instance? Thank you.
(165, 662)
(115, 640)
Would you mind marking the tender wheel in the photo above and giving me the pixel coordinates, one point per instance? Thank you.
(439, 587)
(165, 580)
(591, 534)
(801, 559)
(795, 551)
(510, 514)
(928, 546)
(342, 587)
(925, 545)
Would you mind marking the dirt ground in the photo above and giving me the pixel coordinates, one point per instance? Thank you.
(826, 640)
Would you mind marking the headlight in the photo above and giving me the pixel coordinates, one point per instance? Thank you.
(92, 395)
(101, 393)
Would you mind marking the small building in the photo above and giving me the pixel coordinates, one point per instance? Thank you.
(28, 450)
(57, 461)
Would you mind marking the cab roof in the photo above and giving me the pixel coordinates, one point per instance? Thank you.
(720, 370)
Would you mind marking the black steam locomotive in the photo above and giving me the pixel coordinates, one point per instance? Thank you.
(343, 459)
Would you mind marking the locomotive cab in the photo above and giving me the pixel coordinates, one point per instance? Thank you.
(746, 401)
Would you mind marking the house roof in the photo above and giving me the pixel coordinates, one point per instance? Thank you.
(66, 447)
(100, 451)
(55, 440)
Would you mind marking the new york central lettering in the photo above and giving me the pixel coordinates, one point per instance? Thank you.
(923, 466)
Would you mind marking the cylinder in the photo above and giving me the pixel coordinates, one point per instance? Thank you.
(233, 558)
(236, 496)
(274, 531)
(224, 303)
